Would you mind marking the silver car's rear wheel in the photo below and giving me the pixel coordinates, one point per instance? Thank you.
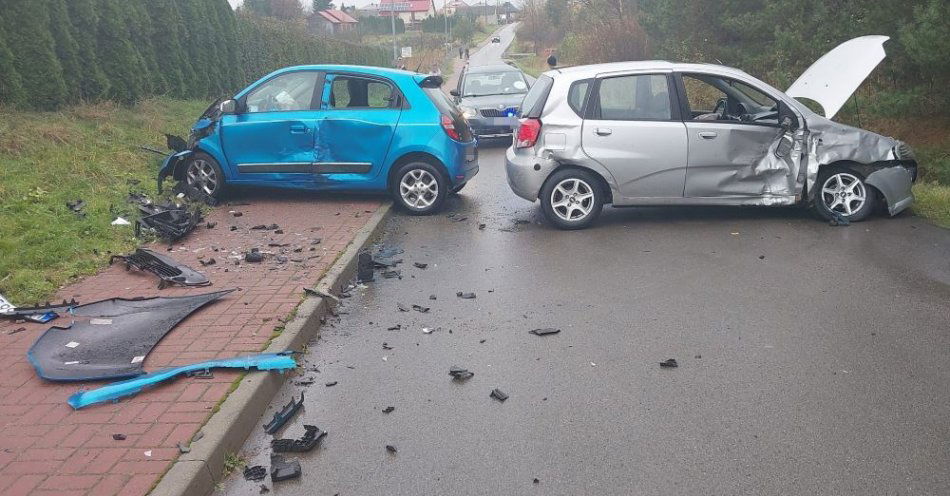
(202, 176)
(572, 199)
(844, 193)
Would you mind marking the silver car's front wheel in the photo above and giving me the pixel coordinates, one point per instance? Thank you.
(844, 193)
(202, 176)
(572, 199)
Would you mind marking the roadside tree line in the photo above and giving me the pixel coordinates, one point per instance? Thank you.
(58, 52)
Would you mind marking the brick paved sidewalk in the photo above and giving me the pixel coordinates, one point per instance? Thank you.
(48, 448)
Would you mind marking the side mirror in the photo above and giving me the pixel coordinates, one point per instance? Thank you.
(786, 117)
(228, 107)
(454, 93)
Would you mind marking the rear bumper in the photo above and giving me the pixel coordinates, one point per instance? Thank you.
(526, 173)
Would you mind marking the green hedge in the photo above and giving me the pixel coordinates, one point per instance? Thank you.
(57, 52)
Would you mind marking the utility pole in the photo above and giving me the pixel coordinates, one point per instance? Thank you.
(392, 20)
(445, 13)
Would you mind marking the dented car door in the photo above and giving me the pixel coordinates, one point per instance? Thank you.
(738, 146)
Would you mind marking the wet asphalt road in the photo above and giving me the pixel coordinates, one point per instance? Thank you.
(813, 359)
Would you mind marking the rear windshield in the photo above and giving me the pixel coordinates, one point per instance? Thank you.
(533, 102)
(448, 107)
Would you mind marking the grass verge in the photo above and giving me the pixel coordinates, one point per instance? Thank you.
(87, 152)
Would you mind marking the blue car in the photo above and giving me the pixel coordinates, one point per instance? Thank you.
(332, 128)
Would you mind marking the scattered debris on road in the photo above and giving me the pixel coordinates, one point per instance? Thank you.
(460, 374)
(281, 470)
(285, 414)
(401, 307)
(331, 384)
(392, 449)
(544, 331)
(465, 296)
(499, 395)
(312, 436)
(255, 473)
(669, 363)
(364, 267)
(166, 268)
(420, 265)
(389, 409)
(420, 308)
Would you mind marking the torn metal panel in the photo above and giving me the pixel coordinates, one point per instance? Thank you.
(114, 391)
(110, 339)
(166, 268)
(895, 184)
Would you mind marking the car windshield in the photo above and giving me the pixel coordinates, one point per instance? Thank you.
(494, 83)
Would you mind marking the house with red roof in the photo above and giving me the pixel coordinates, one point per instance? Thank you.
(332, 22)
(410, 11)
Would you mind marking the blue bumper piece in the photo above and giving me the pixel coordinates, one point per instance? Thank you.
(169, 164)
(116, 390)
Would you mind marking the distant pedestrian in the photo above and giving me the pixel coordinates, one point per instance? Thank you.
(466, 53)
(552, 61)
(461, 51)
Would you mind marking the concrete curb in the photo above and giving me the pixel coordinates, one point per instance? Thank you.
(197, 472)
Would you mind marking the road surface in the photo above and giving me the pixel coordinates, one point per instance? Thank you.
(812, 359)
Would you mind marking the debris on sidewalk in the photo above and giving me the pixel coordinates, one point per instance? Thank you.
(264, 227)
(118, 437)
(183, 449)
(167, 269)
(499, 395)
(169, 221)
(460, 374)
(253, 256)
(281, 469)
(669, 363)
(110, 392)
(40, 311)
(392, 449)
(465, 296)
(115, 340)
(544, 332)
(285, 414)
(312, 436)
(255, 473)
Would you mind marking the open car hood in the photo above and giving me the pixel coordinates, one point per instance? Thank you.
(833, 78)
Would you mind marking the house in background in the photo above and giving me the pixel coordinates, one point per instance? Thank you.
(411, 12)
(332, 22)
(453, 6)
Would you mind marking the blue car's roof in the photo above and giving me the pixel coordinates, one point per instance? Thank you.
(394, 74)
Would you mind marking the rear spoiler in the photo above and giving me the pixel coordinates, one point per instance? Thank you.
(431, 82)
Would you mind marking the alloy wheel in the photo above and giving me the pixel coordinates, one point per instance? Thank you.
(419, 189)
(572, 199)
(201, 175)
(843, 193)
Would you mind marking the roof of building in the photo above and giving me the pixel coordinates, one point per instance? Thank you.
(386, 6)
(337, 16)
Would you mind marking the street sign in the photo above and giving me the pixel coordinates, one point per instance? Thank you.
(407, 52)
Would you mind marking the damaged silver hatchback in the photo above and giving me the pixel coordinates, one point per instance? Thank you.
(660, 133)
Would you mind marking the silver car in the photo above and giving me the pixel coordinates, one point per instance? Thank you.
(660, 133)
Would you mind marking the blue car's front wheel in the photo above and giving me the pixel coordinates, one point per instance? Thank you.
(204, 174)
(419, 188)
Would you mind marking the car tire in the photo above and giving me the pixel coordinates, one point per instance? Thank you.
(419, 188)
(572, 198)
(842, 192)
(203, 173)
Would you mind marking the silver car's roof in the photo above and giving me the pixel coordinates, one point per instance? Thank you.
(584, 71)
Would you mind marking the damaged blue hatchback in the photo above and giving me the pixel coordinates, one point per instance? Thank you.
(332, 128)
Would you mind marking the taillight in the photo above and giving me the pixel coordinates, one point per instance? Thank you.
(449, 126)
(528, 133)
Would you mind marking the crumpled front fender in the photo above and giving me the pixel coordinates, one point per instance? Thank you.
(169, 164)
(895, 184)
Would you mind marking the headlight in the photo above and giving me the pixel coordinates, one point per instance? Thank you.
(468, 112)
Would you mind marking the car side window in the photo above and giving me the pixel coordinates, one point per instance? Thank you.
(291, 91)
(635, 97)
(347, 92)
(714, 98)
(577, 95)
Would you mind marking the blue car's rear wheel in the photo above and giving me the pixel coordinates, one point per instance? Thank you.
(419, 188)
(204, 174)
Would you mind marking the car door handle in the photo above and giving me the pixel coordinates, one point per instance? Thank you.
(299, 129)
(708, 135)
(602, 131)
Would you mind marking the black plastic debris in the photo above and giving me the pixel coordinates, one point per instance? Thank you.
(169, 271)
(77, 207)
(255, 473)
(169, 221)
(420, 308)
(285, 414)
(669, 363)
(386, 346)
(254, 256)
(432, 297)
(761, 257)
(266, 227)
(364, 267)
(465, 296)
(281, 469)
(310, 439)
(536, 481)
(401, 308)
(392, 449)
(24, 312)
(498, 394)
(110, 339)
(481, 227)
(210, 261)
(331, 384)
(392, 274)
(420, 265)
(837, 219)
(544, 332)
(394, 328)
(118, 437)
(237, 214)
(389, 409)
(460, 374)
(210, 225)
